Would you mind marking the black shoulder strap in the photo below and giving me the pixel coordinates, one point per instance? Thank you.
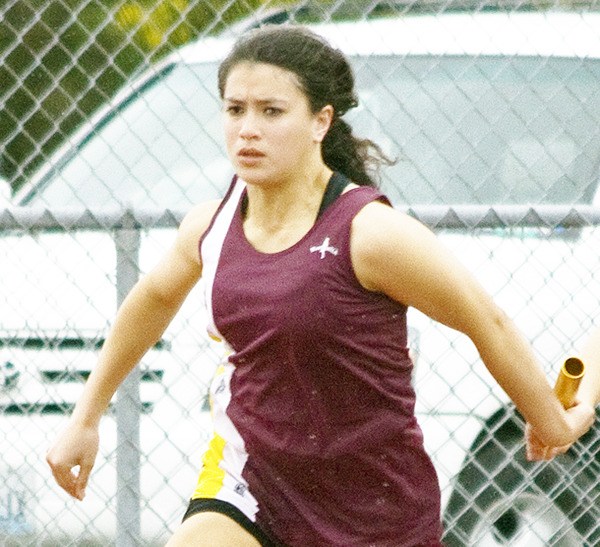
(335, 187)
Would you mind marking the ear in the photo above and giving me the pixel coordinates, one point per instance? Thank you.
(322, 122)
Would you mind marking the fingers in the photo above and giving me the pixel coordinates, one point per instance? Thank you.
(82, 480)
(72, 479)
(72, 457)
(580, 418)
(545, 453)
(536, 450)
(64, 477)
(538, 453)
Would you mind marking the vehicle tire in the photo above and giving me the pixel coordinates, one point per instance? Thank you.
(499, 498)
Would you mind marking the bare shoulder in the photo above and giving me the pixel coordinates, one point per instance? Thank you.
(194, 225)
(378, 226)
(388, 245)
(199, 217)
(397, 255)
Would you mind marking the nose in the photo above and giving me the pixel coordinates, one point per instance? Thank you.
(249, 128)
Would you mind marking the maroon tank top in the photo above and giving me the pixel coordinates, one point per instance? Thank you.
(321, 391)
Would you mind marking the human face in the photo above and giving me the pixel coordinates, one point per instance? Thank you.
(270, 132)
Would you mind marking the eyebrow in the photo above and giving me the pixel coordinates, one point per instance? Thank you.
(259, 101)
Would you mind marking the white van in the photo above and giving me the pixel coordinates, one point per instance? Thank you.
(483, 109)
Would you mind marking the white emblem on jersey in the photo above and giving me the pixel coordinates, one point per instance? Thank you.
(324, 248)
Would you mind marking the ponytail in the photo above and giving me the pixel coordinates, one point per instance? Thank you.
(357, 159)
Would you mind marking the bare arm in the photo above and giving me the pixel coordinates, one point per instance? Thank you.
(588, 394)
(143, 317)
(589, 390)
(141, 320)
(394, 254)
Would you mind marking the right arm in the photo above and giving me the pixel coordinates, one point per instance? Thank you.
(141, 320)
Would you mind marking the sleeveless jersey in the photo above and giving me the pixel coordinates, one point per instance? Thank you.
(315, 435)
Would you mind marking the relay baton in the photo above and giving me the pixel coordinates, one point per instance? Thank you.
(568, 380)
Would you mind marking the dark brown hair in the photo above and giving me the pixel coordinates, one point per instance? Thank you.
(326, 78)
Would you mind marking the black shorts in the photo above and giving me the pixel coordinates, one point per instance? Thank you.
(200, 505)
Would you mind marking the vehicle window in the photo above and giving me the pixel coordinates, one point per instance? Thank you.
(483, 130)
(161, 148)
(464, 130)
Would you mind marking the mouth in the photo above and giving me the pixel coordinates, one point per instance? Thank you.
(250, 153)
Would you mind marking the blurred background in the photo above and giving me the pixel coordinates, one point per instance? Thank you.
(60, 60)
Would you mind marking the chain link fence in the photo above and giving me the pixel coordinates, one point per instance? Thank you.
(110, 129)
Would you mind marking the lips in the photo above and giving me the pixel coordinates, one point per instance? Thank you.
(250, 153)
(250, 157)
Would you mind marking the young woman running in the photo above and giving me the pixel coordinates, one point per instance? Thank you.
(308, 273)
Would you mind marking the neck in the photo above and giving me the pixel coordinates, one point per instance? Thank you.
(289, 199)
(280, 215)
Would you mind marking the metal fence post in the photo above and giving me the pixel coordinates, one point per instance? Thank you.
(128, 403)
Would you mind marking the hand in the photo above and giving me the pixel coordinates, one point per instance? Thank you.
(72, 458)
(580, 417)
(536, 450)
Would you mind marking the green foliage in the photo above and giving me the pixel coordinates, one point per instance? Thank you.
(63, 59)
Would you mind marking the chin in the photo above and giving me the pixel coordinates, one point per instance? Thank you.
(256, 176)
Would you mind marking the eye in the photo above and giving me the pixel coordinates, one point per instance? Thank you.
(234, 109)
(273, 111)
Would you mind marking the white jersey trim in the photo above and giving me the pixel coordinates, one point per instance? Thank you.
(210, 251)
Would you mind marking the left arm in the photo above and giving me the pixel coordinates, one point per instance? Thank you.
(394, 254)
(589, 390)
(588, 394)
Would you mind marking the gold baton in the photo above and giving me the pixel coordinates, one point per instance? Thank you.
(568, 380)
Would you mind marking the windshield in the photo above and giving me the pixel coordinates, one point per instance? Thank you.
(162, 148)
(484, 130)
(468, 130)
